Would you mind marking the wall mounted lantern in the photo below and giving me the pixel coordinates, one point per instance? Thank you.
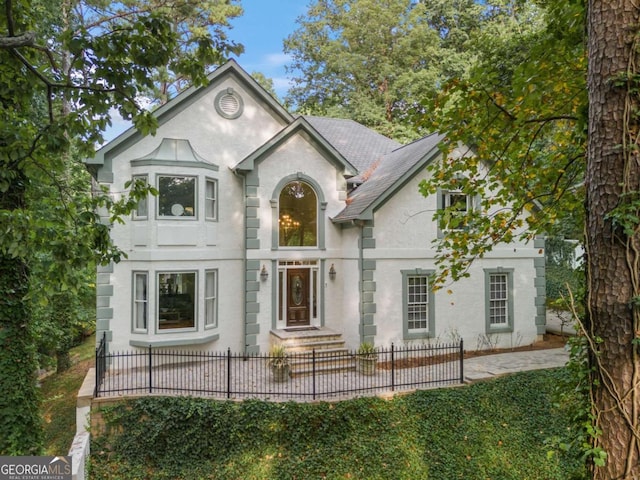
(264, 275)
(332, 272)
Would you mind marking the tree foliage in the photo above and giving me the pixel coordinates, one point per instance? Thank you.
(374, 61)
(521, 113)
(370, 60)
(65, 68)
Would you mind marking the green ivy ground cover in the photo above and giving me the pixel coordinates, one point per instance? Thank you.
(491, 430)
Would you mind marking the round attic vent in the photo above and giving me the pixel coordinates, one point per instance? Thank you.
(229, 104)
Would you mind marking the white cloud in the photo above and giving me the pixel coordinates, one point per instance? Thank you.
(276, 59)
(281, 83)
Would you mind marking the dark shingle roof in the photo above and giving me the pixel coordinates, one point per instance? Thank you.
(389, 175)
(359, 145)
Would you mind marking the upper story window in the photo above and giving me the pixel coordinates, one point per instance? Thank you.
(456, 206)
(298, 216)
(176, 196)
(211, 200)
(142, 209)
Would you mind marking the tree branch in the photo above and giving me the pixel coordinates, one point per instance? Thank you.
(26, 39)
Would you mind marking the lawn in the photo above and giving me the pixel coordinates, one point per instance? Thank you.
(496, 430)
(59, 393)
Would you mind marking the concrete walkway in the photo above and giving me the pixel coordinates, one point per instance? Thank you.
(489, 366)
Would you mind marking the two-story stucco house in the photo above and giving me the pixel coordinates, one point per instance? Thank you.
(266, 222)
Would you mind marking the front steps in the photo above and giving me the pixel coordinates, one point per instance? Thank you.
(331, 356)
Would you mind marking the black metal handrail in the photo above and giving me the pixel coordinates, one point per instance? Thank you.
(101, 363)
(311, 375)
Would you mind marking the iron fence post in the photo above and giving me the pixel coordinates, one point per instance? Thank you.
(461, 361)
(313, 375)
(150, 372)
(229, 372)
(393, 370)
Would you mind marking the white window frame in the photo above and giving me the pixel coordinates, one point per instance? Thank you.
(196, 276)
(211, 202)
(501, 305)
(189, 218)
(446, 203)
(140, 300)
(143, 201)
(210, 299)
(427, 302)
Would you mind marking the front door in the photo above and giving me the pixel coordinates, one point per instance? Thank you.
(298, 297)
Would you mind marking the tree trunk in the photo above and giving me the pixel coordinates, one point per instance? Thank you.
(613, 175)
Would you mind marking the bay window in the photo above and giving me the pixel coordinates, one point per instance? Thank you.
(176, 300)
(176, 196)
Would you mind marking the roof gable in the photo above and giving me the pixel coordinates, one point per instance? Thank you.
(300, 125)
(187, 98)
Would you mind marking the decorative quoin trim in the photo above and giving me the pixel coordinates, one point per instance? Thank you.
(252, 307)
(368, 328)
(104, 293)
(540, 283)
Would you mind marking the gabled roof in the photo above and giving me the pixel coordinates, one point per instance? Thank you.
(393, 171)
(188, 97)
(299, 125)
(360, 145)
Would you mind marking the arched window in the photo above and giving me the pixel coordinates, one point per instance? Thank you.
(298, 216)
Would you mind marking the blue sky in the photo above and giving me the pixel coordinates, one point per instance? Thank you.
(261, 29)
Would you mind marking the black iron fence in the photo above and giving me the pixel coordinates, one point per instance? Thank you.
(304, 375)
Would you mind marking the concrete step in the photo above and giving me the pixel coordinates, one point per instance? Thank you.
(323, 365)
(325, 346)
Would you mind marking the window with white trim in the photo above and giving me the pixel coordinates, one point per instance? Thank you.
(499, 299)
(176, 196)
(210, 200)
(140, 301)
(298, 215)
(211, 299)
(418, 304)
(142, 208)
(177, 300)
(455, 205)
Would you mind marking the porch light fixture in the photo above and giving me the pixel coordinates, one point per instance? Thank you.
(332, 272)
(264, 275)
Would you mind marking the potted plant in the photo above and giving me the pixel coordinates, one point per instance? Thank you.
(279, 363)
(367, 358)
